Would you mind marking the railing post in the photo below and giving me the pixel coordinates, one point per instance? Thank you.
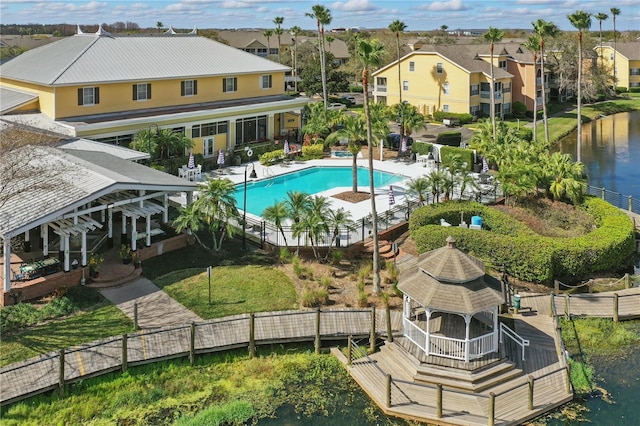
(252, 335)
(567, 312)
(61, 373)
(317, 341)
(567, 382)
(630, 203)
(439, 400)
(125, 352)
(531, 381)
(603, 193)
(388, 390)
(349, 354)
(372, 336)
(590, 286)
(556, 286)
(389, 329)
(135, 316)
(492, 409)
(615, 307)
(551, 303)
(627, 280)
(192, 343)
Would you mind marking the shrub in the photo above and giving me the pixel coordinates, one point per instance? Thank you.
(464, 117)
(634, 90)
(355, 89)
(284, 255)
(336, 257)
(519, 109)
(313, 152)
(525, 133)
(392, 272)
(271, 157)
(621, 89)
(364, 271)
(325, 282)
(363, 299)
(529, 114)
(421, 148)
(466, 154)
(312, 298)
(451, 138)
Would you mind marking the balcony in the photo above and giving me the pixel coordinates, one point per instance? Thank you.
(380, 88)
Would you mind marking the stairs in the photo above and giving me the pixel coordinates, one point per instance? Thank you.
(115, 275)
(385, 249)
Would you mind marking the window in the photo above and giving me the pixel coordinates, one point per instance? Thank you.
(121, 140)
(251, 129)
(262, 52)
(89, 96)
(141, 92)
(229, 84)
(474, 110)
(635, 71)
(475, 90)
(405, 85)
(445, 108)
(412, 66)
(634, 84)
(265, 81)
(502, 64)
(445, 88)
(208, 129)
(208, 147)
(439, 68)
(611, 57)
(189, 87)
(506, 108)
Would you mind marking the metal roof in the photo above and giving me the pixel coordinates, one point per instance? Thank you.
(93, 59)
(11, 99)
(115, 150)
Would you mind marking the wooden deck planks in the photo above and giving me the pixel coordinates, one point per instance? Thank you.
(601, 304)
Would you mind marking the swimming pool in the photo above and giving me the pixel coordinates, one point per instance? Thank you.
(264, 193)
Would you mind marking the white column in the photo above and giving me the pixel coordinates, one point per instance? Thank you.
(141, 202)
(189, 198)
(66, 252)
(110, 224)
(84, 248)
(467, 323)
(26, 236)
(45, 239)
(7, 264)
(165, 213)
(124, 229)
(428, 330)
(496, 329)
(62, 243)
(134, 232)
(148, 230)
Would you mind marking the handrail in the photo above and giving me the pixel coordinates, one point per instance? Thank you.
(505, 330)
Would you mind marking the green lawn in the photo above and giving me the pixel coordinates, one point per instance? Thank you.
(235, 290)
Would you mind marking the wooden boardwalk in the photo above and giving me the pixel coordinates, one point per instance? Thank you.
(601, 304)
(41, 374)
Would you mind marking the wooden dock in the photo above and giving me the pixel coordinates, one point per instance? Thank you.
(601, 305)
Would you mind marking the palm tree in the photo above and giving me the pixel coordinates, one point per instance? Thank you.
(378, 113)
(435, 180)
(355, 131)
(411, 119)
(370, 54)
(330, 40)
(418, 187)
(313, 221)
(296, 204)
(566, 177)
(581, 20)
(533, 44)
(278, 20)
(268, 34)
(397, 27)
(322, 15)
(277, 213)
(615, 12)
(295, 30)
(493, 36)
(466, 179)
(601, 17)
(335, 220)
(159, 26)
(146, 141)
(544, 30)
(189, 217)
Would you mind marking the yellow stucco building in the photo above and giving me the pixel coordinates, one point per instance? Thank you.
(627, 59)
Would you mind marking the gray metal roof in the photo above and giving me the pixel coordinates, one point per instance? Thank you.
(92, 59)
(78, 177)
(115, 150)
(11, 99)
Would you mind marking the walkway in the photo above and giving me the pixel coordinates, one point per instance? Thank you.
(155, 307)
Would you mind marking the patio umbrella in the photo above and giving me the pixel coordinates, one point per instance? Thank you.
(221, 158)
(392, 199)
(286, 147)
(403, 148)
(192, 161)
(485, 165)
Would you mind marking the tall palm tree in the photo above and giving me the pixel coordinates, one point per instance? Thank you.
(354, 129)
(435, 180)
(278, 20)
(581, 20)
(533, 44)
(295, 30)
(411, 119)
(322, 15)
(544, 30)
(419, 187)
(601, 17)
(313, 222)
(370, 53)
(277, 213)
(296, 203)
(493, 36)
(615, 12)
(268, 34)
(397, 27)
(189, 217)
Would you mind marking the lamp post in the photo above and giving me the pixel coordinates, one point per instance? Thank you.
(252, 175)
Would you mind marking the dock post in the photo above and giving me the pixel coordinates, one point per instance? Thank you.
(627, 280)
(135, 316)
(615, 307)
(551, 303)
(125, 352)
(567, 314)
(317, 341)
(389, 329)
(192, 343)
(439, 400)
(531, 381)
(630, 203)
(492, 409)
(372, 337)
(556, 286)
(388, 390)
(349, 355)
(61, 373)
(567, 382)
(252, 335)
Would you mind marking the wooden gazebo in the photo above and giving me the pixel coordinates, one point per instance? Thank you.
(441, 288)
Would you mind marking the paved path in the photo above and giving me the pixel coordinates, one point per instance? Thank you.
(155, 307)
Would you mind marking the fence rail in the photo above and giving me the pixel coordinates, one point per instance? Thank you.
(624, 202)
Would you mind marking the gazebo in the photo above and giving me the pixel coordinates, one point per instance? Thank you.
(450, 304)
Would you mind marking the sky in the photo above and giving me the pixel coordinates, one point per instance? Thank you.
(230, 14)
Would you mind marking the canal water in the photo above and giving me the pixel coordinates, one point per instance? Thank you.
(610, 152)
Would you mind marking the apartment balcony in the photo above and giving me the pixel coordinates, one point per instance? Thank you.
(380, 88)
(484, 94)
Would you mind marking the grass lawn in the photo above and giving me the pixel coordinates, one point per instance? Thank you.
(235, 289)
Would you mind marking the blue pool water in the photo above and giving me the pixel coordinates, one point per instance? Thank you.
(264, 193)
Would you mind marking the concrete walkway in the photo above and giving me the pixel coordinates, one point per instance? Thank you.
(155, 307)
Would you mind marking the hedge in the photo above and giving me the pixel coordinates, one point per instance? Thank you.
(512, 247)
(313, 152)
(451, 138)
(464, 117)
(466, 154)
(421, 148)
(271, 157)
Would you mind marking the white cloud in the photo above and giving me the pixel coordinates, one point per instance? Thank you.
(354, 6)
(446, 6)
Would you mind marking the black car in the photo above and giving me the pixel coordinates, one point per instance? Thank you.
(394, 141)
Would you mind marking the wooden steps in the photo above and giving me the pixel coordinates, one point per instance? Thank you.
(385, 249)
(115, 276)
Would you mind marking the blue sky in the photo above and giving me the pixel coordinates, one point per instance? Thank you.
(418, 15)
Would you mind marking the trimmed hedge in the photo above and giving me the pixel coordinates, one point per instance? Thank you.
(466, 154)
(464, 117)
(450, 138)
(512, 247)
(271, 157)
(421, 148)
(313, 152)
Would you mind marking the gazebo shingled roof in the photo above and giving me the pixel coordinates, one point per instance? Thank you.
(449, 280)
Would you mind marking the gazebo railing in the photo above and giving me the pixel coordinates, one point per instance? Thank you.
(447, 347)
(414, 333)
(482, 345)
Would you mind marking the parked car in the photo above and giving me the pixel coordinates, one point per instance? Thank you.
(337, 106)
(451, 122)
(394, 141)
(349, 99)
